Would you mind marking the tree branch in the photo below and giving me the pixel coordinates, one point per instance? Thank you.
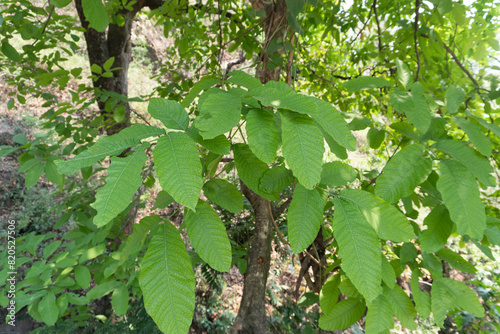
(459, 63)
(378, 25)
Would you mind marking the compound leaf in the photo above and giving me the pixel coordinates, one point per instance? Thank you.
(208, 236)
(169, 112)
(123, 180)
(332, 122)
(220, 111)
(303, 148)
(406, 170)
(262, 134)
(178, 166)
(388, 222)
(343, 314)
(477, 164)
(460, 194)
(304, 217)
(225, 194)
(359, 248)
(110, 145)
(167, 281)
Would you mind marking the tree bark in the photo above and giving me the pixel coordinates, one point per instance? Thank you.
(251, 316)
(115, 43)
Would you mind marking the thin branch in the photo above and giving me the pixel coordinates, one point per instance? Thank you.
(364, 26)
(52, 8)
(290, 61)
(417, 7)
(378, 25)
(459, 63)
(242, 34)
(140, 116)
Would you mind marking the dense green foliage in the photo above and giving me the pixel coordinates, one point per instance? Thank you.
(431, 125)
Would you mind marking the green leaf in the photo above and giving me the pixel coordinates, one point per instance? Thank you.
(388, 273)
(450, 294)
(375, 137)
(414, 105)
(225, 194)
(75, 299)
(332, 122)
(405, 171)
(492, 127)
(220, 111)
(295, 6)
(33, 175)
(276, 179)
(303, 148)
(96, 14)
(422, 299)
(60, 3)
(456, 260)
(379, 316)
(403, 74)
(178, 166)
(135, 241)
(203, 84)
(110, 145)
(273, 95)
(10, 52)
(119, 300)
(305, 216)
(251, 169)
(439, 227)
(102, 289)
(48, 309)
(52, 174)
(169, 112)
(388, 222)
(50, 249)
(262, 134)
(163, 200)
(343, 314)
(476, 135)
(108, 63)
(454, 97)
(308, 299)
(461, 196)
(359, 248)
(401, 306)
(167, 281)
(82, 276)
(20, 138)
(241, 78)
(92, 253)
(208, 236)
(477, 164)
(336, 173)
(123, 180)
(335, 147)
(219, 145)
(361, 83)
(329, 294)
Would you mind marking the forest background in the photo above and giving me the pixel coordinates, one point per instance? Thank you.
(368, 162)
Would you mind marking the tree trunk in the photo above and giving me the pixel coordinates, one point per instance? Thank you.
(115, 43)
(251, 316)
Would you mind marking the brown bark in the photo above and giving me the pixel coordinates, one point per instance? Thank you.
(114, 43)
(251, 316)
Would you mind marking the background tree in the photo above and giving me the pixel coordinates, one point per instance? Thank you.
(404, 72)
